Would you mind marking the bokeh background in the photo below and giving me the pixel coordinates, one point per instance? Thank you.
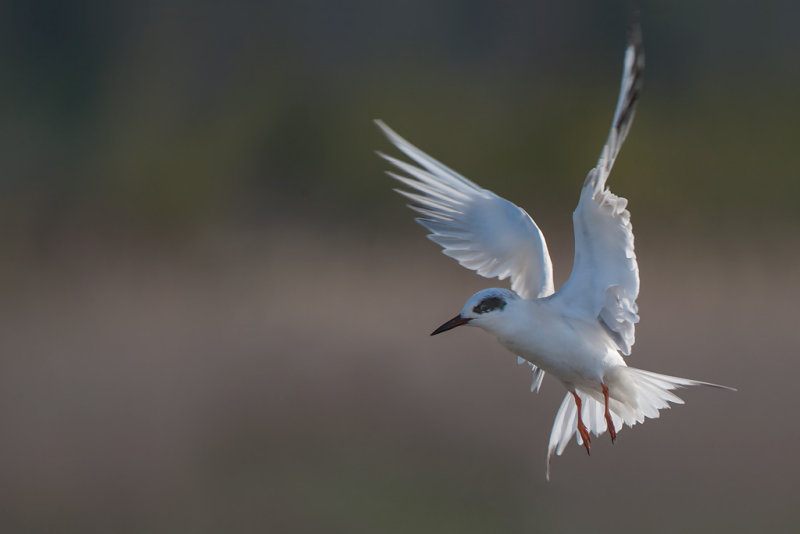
(215, 311)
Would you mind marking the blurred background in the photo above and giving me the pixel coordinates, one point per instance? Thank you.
(215, 311)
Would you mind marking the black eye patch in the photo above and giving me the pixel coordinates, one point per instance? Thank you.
(489, 304)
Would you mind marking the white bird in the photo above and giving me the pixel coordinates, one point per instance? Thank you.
(578, 334)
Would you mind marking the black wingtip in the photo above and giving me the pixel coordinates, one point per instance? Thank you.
(635, 25)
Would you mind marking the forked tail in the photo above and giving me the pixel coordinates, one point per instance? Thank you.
(635, 395)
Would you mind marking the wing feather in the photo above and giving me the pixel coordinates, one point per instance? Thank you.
(477, 228)
(604, 283)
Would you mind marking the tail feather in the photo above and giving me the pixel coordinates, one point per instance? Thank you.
(635, 395)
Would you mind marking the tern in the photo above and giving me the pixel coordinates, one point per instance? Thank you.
(580, 333)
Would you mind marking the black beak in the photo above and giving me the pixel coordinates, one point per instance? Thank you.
(452, 323)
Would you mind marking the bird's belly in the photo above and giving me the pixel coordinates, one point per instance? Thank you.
(570, 358)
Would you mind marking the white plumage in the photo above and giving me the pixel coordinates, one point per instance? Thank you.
(580, 333)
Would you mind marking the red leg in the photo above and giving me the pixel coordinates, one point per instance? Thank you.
(581, 427)
(609, 421)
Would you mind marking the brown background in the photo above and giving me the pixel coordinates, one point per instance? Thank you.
(215, 312)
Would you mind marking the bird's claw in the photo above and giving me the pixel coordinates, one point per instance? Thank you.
(587, 442)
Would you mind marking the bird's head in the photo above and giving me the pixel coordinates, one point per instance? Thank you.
(484, 309)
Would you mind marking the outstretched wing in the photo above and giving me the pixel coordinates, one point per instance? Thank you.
(604, 282)
(481, 230)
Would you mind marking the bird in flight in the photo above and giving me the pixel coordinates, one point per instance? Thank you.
(580, 333)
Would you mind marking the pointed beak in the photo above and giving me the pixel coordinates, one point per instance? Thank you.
(452, 323)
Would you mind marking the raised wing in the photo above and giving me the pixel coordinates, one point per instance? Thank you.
(604, 282)
(481, 230)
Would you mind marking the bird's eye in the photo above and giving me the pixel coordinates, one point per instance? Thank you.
(489, 304)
